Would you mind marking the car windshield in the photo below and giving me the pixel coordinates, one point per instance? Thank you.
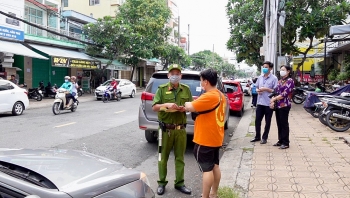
(192, 81)
(108, 82)
(230, 87)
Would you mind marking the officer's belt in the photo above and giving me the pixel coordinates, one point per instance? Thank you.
(175, 126)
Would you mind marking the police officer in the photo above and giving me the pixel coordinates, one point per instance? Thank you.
(169, 102)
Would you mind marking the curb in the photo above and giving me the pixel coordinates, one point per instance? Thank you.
(235, 164)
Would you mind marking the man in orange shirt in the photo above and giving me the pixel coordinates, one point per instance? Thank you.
(208, 131)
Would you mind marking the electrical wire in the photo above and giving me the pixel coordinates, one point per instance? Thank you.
(47, 30)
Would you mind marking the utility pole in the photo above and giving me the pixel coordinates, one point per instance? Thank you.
(178, 32)
(188, 42)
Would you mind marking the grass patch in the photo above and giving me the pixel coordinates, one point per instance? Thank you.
(227, 192)
(324, 139)
(310, 139)
(248, 149)
(249, 135)
(252, 123)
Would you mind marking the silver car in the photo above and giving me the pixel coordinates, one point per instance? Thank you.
(148, 118)
(67, 173)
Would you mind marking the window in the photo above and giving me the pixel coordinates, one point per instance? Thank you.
(94, 2)
(34, 16)
(65, 3)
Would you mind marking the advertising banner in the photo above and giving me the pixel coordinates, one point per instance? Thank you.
(11, 28)
(75, 63)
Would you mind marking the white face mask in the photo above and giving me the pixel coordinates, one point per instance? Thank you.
(283, 73)
(174, 79)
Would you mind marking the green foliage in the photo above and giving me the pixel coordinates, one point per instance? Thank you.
(169, 54)
(346, 65)
(342, 76)
(332, 74)
(227, 192)
(138, 28)
(247, 29)
(305, 21)
(205, 59)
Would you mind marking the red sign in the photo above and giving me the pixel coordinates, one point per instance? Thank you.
(307, 78)
(183, 40)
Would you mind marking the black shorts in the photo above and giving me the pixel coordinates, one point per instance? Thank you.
(206, 157)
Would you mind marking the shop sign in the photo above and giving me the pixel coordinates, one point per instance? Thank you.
(11, 28)
(75, 63)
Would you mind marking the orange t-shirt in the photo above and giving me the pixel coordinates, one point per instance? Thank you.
(209, 127)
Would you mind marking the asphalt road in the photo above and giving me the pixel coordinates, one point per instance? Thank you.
(107, 129)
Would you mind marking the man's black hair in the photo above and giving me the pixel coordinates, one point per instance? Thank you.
(254, 80)
(210, 75)
(268, 63)
(13, 75)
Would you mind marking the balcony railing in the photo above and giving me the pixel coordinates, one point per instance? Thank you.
(42, 33)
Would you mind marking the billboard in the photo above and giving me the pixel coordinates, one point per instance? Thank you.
(11, 28)
(75, 63)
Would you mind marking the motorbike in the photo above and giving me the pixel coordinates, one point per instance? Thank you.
(50, 91)
(80, 91)
(60, 101)
(338, 118)
(299, 95)
(35, 93)
(109, 95)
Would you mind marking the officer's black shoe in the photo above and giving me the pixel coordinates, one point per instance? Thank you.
(183, 189)
(160, 190)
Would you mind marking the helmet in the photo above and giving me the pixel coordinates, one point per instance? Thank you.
(113, 79)
(67, 77)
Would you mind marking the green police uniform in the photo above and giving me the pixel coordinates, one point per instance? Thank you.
(173, 137)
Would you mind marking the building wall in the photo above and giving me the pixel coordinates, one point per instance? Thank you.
(105, 7)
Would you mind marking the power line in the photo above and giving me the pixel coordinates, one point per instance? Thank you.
(47, 30)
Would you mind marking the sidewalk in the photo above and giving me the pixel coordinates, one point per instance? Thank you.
(317, 164)
(84, 98)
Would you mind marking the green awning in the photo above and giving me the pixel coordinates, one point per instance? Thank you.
(115, 65)
(154, 60)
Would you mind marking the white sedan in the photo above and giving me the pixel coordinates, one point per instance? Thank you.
(12, 98)
(126, 87)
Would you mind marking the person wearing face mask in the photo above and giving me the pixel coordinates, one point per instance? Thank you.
(68, 86)
(208, 131)
(284, 101)
(169, 102)
(265, 84)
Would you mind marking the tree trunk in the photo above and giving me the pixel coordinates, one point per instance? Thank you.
(132, 72)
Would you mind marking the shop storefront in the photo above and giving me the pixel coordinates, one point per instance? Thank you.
(116, 69)
(62, 62)
(13, 56)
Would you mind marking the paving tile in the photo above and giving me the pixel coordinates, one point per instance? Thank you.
(260, 194)
(256, 186)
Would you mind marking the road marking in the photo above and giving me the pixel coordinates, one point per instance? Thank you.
(64, 125)
(120, 111)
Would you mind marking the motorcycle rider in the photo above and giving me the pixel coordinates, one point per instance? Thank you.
(75, 87)
(68, 86)
(114, 85)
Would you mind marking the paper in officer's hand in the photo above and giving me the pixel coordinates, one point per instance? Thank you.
(167, 110)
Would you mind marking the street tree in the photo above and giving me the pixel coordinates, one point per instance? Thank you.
(307, 21)
(169, 54)
(205, 59)
(133, 34)
(246, 30)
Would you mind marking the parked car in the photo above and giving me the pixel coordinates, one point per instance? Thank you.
(148, 118)
(12, 98)
(58, 173)
(235, 96)
(127, 88)
(245, 86)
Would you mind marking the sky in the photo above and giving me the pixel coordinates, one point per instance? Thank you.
(208, 25)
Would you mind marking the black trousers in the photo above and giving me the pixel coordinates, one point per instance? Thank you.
(283, 125)
(263, 111)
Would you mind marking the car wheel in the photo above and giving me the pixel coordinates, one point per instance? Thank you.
(241, 112)
(151, 136)
(17, 109)
(132, 94)
(98, 98)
